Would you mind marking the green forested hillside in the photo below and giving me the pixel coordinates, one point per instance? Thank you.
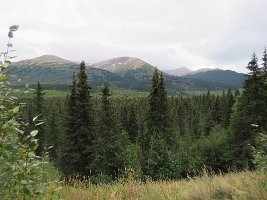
(226, 77)
(56, 73)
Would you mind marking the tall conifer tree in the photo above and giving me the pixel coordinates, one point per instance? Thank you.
(70, 153)
(247, 117)
(106, 143)
(84, 122)
(157, 124)
(39, 103)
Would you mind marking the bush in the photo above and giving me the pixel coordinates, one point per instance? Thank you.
(260, 158)
(21, 172)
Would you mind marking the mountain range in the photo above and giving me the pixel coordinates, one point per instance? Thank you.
(121, 72)
(183, 71)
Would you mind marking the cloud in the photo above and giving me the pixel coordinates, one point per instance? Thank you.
(166, 33)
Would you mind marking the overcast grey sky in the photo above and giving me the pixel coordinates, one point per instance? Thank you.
(166, 33)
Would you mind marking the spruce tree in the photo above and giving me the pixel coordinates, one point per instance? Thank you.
(85, 122)
(264, 64)
(264, 91)
(39, 104)
(228, 109)
(52, 135)
(152, 123)
(158, 114)
(158, 130)
(163, 112)
(247, 117)
(106, 143)
(132, 127)
(152, 120)
(70, 155)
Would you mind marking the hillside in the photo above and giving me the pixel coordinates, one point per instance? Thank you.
(122, 72)
(179, 71)
(121, 65)
(227, 77)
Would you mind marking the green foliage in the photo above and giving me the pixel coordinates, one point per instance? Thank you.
(213, 149)
(39, 104)
(130, 158)
(219, 78)
(55, 74)
(249, 114)
(109, 135)
(260, 154)
(101, 179)
(21, 176)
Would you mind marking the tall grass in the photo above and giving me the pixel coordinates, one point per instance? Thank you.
(243, 185)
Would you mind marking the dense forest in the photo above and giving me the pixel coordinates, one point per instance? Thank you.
(88, 139)
(158, 137)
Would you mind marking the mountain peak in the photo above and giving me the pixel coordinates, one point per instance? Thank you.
(49, 58)
(120, 64)
(44, 59)
(179, 71)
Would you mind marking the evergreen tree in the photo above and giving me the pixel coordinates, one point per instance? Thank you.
(39, 104)
(158, 113)
(52, 135)
(152, 120)
(70, 155)
(132, 127)
(228, 109)
(163, 112)
(248, 116)
(158, 129)
(264, 91)
(264, 64)
(107, 142)
(85, 122)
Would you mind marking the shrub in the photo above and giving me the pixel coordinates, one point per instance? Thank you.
(21, 174)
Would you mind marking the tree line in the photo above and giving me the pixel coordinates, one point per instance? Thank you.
(157, 137)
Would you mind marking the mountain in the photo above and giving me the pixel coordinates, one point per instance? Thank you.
(179, 71)
(202, 70)
(122, 72)
(45, 59)
(121, 65)
(231, 78)
(53, 70)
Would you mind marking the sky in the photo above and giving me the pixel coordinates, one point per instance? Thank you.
(168, 34)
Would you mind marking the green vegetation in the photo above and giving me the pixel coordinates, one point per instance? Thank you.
(129, 73)
(119, 145)
(117, 93)
(158, 137)
(242, 186)
(228, 77)
(22, 174)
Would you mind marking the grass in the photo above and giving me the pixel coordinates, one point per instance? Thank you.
(243, 185)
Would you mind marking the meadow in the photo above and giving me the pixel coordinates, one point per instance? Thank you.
(243, 185)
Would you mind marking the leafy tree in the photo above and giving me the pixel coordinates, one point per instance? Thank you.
(260, 153)
(21, 174)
